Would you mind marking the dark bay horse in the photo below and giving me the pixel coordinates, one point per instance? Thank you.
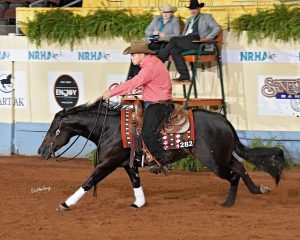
(216, 144)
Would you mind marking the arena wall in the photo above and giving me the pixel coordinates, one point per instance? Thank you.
(262, 87)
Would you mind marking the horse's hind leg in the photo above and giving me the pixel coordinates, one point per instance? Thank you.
(234, 179)
(133, 174)
(220, 168)
(233, 176)
(253, 188)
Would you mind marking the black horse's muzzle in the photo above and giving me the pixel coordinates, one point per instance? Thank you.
(45, 151)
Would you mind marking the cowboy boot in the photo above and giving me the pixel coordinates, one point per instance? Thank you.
(154, 167)
(158, 166)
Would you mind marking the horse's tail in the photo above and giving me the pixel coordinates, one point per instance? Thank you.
(270, 160)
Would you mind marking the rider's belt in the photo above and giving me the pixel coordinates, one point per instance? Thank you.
(160, 102)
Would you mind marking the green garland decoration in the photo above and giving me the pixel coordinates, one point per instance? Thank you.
(64, 27)
(279, 24)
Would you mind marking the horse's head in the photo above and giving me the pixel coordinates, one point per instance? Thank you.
(58, 135)
(83, 120)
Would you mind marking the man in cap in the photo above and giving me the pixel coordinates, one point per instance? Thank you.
(157, 92)
(198, 26)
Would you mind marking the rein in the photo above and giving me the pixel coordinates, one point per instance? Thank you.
(88, 138)
(67, 150)
(96, 162)
(100, 138)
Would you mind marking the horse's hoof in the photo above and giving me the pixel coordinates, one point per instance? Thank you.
(165, 169)
(227, 204)
(62, 207)
(264, 189)
(134, 206)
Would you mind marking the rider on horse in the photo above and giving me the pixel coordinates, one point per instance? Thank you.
(157, 90)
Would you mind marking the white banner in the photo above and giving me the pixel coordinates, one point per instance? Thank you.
(7, 83)
(63, 56)
(230, 56)
(279, 95)
(259, 56)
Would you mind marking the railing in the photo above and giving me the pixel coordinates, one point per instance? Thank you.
(39, 2)
(182, 3)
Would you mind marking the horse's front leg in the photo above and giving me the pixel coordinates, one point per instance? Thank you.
(134, 176)
(99, 173)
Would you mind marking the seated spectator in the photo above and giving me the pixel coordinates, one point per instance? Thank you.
(162, 27)
(198, 27)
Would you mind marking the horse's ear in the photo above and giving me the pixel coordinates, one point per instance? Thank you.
(60, 112)
(99, 102)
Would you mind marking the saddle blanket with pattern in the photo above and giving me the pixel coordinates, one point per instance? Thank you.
(169, 140)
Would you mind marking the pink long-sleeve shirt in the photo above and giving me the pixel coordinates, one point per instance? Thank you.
(153, 77)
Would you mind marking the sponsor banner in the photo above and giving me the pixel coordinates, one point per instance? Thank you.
(63, 56)
(265, 56)
(77, 56)
(6, 89)
(9, 55)
(65, 90)
(4, 55)
(279, 95)
(230, 56)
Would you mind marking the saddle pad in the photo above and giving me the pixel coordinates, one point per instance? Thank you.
(169, 141)
(125, 127)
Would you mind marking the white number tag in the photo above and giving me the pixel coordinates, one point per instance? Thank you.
(186, 144)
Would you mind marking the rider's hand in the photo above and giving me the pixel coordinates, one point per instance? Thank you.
(106, 95)
(204, 40)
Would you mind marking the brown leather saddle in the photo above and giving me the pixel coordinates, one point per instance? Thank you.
(178, 121)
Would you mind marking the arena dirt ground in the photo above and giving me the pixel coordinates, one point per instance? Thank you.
(179, 206)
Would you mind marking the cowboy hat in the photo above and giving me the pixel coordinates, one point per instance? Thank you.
(194, 4)
(138, 47)
(168, 8)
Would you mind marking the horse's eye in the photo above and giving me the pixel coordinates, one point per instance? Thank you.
(57, 132)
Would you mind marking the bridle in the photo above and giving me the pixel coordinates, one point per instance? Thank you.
(58, 131)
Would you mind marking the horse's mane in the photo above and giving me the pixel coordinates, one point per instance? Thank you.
(98, 106)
